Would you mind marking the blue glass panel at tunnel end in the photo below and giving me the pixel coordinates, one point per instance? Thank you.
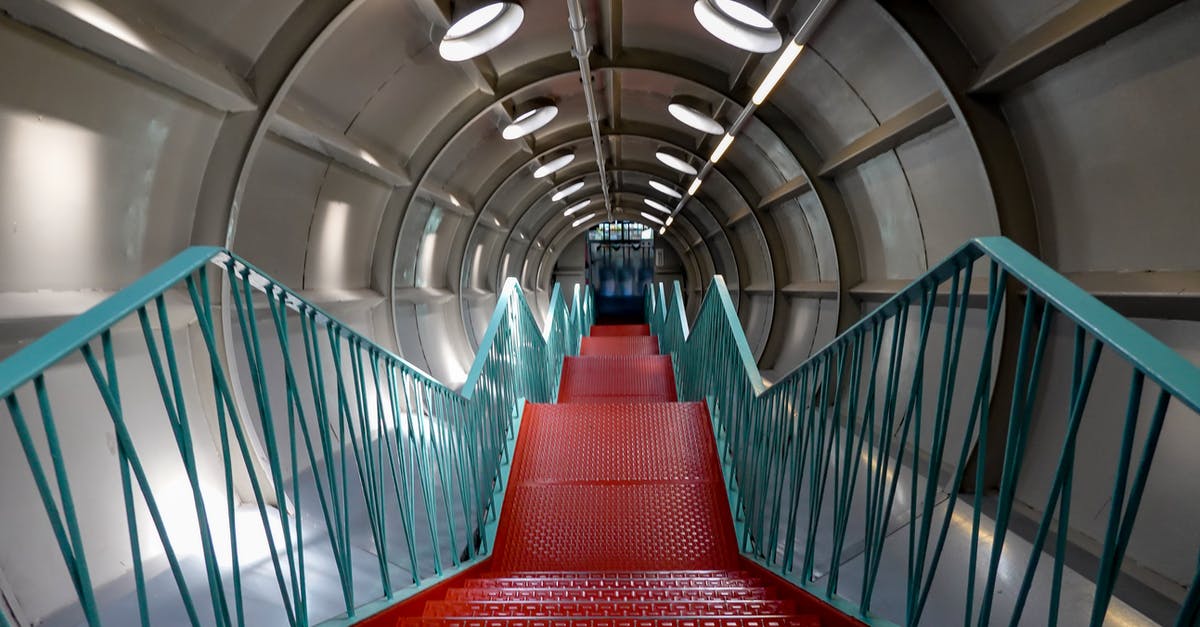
(620, 265)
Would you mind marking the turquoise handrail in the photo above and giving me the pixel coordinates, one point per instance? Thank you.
(826, 446)
(319, 416)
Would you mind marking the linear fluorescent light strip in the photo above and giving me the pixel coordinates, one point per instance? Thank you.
(695, 187)
(782, 65)
(726, 142)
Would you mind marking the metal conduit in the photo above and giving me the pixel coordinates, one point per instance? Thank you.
(581, 50)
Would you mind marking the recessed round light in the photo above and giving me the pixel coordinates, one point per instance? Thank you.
(675, 163)
(653, 218)
(529, 122)
(566, 191)
(666, 189)
(573, 209)
(553, 165)
(654, 204)
(582, 220)
(481, 30)
(684, 112)
(738, 25)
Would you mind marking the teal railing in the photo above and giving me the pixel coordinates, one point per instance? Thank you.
(894, 419)
(360, 479)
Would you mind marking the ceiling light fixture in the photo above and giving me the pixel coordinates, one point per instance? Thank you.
(695, 187)
(553, 165)
(481, 29)
(582, 220)
(726, 142)
(666, 189)
(662, 231)
(738, 24)
(651, 217)
(675, 163)
(573, 209)
(670, 221)
(530, 121)
(566, 191)
(694, 113)
(782, 64)
(654, 204)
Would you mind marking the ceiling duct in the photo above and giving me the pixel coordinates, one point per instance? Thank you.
(581, 49)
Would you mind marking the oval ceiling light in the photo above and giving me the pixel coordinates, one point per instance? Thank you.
(566, 191)
(573, 209)
(654, 204)
(553, 165)
(675, 163)
(479, 29)
(738, 24)
(539, 115)
(692, 112)
(666, 189)
(582, 220)
(651, 217)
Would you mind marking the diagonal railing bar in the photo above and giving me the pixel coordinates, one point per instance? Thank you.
(331, 461)
(855, 462)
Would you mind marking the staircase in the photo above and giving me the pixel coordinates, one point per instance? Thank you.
(615, 514)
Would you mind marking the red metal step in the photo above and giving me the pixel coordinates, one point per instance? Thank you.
(681, 621)
(608, 582)
(619, 345)
(601, 330)
(772, 607)
(616, 574)
(609, 594)
(591, 379)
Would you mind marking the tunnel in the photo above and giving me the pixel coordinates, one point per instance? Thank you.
(400, 163)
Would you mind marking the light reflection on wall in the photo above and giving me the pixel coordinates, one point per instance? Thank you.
(104, 20)
(333, 239)
(48, 181)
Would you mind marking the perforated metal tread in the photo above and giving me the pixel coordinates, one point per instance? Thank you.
(616, 442)
(706, 621)
(602, 581)
(608, 595)
(752, 607)
(602, 330)
(627, 345)
(590, 379)
(617, 574)
(615, 487)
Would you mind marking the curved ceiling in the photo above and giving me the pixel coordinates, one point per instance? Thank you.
(329, 141)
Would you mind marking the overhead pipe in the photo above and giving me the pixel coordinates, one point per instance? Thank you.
(581, 50)
(802, 36)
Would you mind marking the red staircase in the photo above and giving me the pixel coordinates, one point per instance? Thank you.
(615, 515)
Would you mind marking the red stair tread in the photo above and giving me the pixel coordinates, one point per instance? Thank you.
(619, 345)
(607, 582)
(648, 377)
(617, 442)
(615, 526)
(595, 595)
(611, 608)
(617, 574)
(684, 621)
(602, 330)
